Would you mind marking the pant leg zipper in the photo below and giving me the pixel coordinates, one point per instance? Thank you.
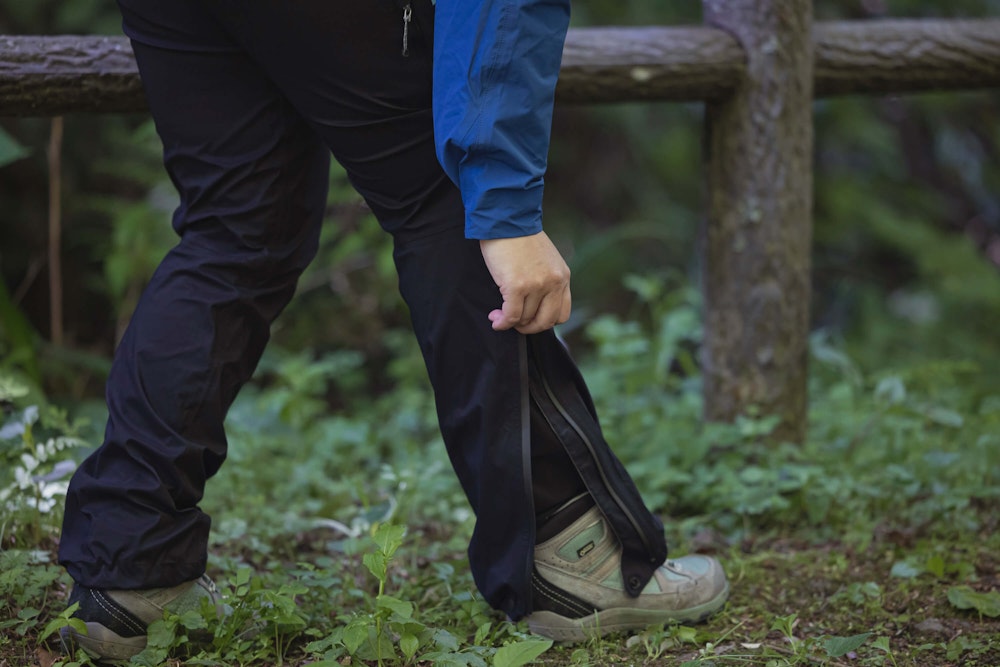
(604, 477)
(525, 410)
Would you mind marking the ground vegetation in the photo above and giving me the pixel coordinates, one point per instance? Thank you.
(339, 530)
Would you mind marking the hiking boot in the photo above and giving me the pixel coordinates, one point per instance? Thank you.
(117, 620)
(578, 591)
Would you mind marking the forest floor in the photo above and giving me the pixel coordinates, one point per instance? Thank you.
(339, 537)
(792, 603)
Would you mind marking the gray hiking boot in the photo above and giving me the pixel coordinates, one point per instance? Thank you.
(578, 591)
(117, 620)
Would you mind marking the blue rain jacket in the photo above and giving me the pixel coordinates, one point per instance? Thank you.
(496, 63)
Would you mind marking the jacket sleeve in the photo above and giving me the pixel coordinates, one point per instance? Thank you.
(496, 63)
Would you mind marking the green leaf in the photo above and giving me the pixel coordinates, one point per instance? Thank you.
(409, 644)
(945, 417)
(963, 597)
(10, 149)
(935, 565)
(354, 635)
(448, 659)
(882, 644)
(521, 653)
(388, 537)
(11, 389)
(890, 390)
(288, 622)
(242, 576)
(28, 613)
(753, 475)
(64, 620)
(193, 620)
(17, 333)
(836, 647)
(377, 564)
(398, 607)
(785, 624)
(61, 622)
(482, 632)
(161, 634)
(686, 634)
(161, 637)
(445, 640)
(905, 570)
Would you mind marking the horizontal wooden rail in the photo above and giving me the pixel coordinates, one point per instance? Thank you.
(700, 63)
(45, 76)
(900, 56)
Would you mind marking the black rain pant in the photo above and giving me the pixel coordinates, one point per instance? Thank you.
(250, 97)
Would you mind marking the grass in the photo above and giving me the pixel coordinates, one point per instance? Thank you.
(339, 538)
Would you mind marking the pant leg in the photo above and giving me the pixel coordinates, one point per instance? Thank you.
(372, 107)
(253, 179)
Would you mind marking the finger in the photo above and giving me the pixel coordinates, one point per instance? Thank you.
(556, 311)
(546, 316)
(513, 308)
(529, 311)
(508, 316)
(567, 305)
(499, 321)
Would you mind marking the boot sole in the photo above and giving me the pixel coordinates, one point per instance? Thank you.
(102, 644)
(621, 619)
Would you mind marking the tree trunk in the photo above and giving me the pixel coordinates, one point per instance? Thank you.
(758, 231)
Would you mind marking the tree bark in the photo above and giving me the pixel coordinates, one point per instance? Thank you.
(649, 64)
(906, 55)
(51, 76)
(47, 76)
(758, 232)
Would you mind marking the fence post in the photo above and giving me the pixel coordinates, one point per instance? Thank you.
(758, 232)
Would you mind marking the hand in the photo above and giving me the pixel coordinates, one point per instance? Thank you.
(534, 282)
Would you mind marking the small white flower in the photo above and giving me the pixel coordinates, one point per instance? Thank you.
(55, 489)
(23, 478)
(31, 414)
(43, 506)
(29, 461)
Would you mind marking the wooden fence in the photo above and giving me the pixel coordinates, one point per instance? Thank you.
(757, 64)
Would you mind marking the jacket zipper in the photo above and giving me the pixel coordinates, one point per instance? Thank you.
(407, 17)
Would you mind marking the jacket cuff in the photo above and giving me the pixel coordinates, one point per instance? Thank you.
(504, 213)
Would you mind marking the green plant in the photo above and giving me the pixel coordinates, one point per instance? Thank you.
(882, 644)
(389, 611)
(864, 528)
(63, 620)
(655, 641)
(35, 476)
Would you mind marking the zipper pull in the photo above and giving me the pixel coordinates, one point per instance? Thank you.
(407, 15)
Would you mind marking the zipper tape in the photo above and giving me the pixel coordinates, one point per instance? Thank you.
(569, 412)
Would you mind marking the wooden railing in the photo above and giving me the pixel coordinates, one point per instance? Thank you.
(48, 76)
